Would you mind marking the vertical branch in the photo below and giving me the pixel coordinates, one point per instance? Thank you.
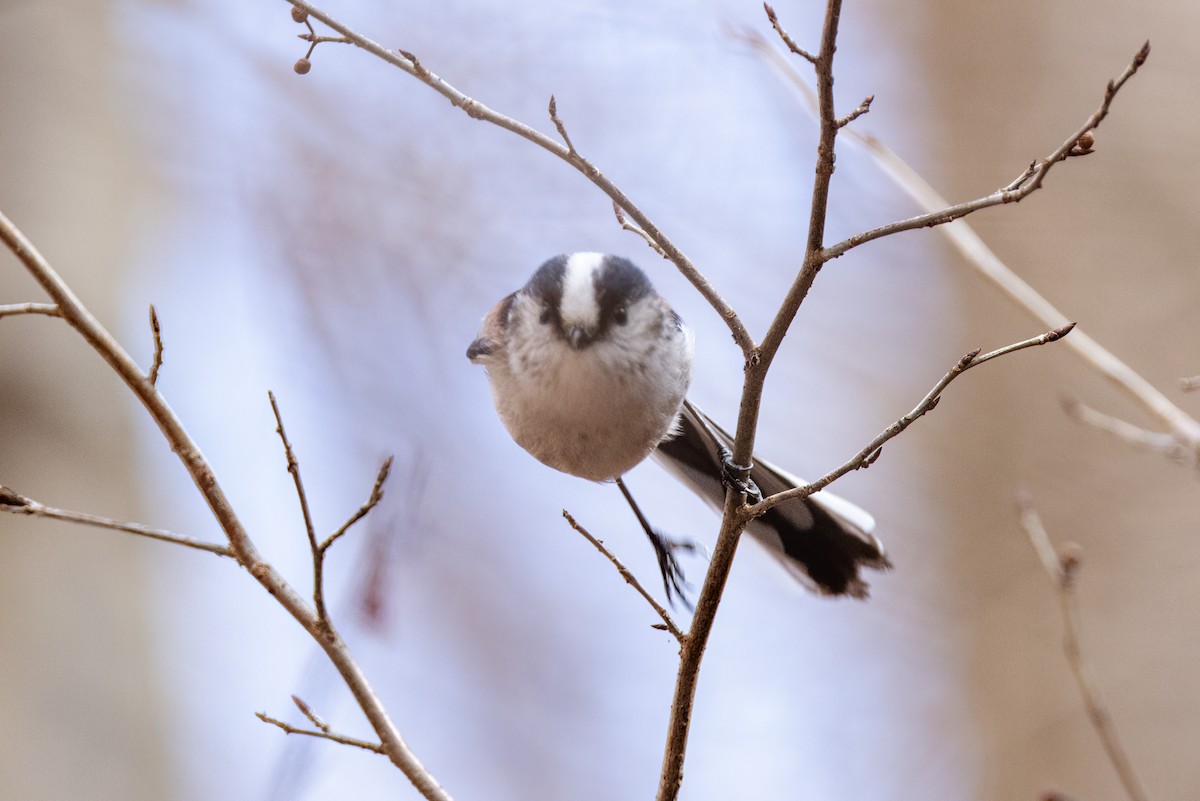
(318, 554)
(757, 364)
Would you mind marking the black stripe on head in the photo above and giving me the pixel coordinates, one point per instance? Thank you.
(619, 283)
(546, 287)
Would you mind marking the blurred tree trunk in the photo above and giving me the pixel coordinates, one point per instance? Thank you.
(78, 696)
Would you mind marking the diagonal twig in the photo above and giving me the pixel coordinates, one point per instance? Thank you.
(1062, 565)
(668, 623)
(868, 455)
(375, 497)
(1184, 428)
(407, 62)
(322, 734)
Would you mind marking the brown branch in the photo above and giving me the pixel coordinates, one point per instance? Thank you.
(240, 545)
(322, 734)
(14, 309)
(375, 497)
(318, 554)
(758, 362)
(867, 456)
(1183, 427)
(20, 505)
(1062, 565)
(1027, 183)
(156, 330)
(473, 108)
(629, 577)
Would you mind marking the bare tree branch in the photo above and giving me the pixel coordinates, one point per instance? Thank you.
(14, 309)
(1183, 427)
(322, 734)
(407, 62)
(1025, 184)
(629, 577)
(1062, 565)
(868, 455)
(758, 362)
(202, 475)
(20, 505)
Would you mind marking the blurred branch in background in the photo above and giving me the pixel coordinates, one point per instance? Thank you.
(1062, 565)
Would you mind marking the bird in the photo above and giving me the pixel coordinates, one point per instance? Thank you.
(589, 368)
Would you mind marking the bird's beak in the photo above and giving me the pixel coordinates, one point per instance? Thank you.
(480, 349)
(578, 337)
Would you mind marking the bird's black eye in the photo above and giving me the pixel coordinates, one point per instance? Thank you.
(620, 316)
(546, 317)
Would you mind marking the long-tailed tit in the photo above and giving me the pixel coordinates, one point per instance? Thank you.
(589, 367)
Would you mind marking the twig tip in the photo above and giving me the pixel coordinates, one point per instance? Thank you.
(1142, 54)
(10, 498)
(1059, 333)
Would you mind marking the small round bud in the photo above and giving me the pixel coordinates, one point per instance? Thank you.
(1085, 142)
(1070, 555)
(302, 66)
(299, 14)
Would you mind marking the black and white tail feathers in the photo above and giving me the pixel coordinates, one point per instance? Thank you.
(822, 540)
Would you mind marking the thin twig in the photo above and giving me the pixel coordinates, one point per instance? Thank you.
(308, 712)
(20, 505)
(628, 226)
(375, 497)
(1030, 181)
(558, 124)
(324, 735)
(964, 238)
(156, 330)
(868, 455)
(1190, 384)
(14, 309)
(787, 39)
(862, 109)
(318, 554)
(629, 577)
(1062, 565)
(1155, 441)
(476, 110)
(240, 544)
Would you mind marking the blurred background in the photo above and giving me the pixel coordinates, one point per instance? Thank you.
(336, 237)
